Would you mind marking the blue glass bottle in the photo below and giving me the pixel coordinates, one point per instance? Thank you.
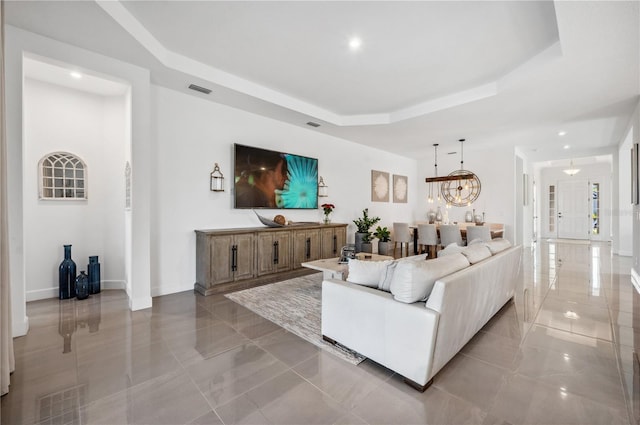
(67, 275)
(82, 286)
(93, 268)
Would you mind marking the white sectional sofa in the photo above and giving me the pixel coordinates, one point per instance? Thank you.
(401, 331)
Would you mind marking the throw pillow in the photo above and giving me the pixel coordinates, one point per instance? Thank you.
(476, 253)
(413, 281)
(452, 248)
(497, 245)
(366, 273)
(384, 283)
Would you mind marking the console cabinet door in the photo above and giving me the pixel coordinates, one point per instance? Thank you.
(266, 254)
(282, 241)
(274, 252)
(327, 237)
(341, 239)
(221, 258)
(306, 246)
(245, 257)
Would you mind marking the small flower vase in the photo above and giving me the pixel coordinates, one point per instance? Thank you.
(82, 286)
(327, 219)
(67, 275)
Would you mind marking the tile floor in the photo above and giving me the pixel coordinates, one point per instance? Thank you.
(562, 353)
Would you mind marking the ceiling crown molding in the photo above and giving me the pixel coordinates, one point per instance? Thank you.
(184, 64)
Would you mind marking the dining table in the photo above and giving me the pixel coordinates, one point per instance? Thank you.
(496, 229)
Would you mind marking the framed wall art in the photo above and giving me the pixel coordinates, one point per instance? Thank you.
(379, 186)
(400, 189)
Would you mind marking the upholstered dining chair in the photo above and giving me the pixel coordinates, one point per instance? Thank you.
(450, 233)
(478, 232)
(401, 235)
(428, 238)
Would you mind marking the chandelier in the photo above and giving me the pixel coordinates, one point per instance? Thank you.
(459, 188)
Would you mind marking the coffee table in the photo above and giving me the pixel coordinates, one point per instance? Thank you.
(331, 269)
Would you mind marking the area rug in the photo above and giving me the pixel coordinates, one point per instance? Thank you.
(295, 305)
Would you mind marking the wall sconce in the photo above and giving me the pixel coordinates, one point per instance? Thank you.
(323, 189)
(217, 179)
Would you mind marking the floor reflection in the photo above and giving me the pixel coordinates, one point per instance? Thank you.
(563, 352)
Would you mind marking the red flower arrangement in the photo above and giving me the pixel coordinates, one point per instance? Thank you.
(327, 208)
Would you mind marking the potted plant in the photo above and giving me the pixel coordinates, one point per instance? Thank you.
(366, 245)
(363, 225)
(384, 236)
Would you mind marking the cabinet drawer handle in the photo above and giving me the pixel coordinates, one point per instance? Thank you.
(308, 248)
(335, 244)
(276, 252)
(234, 258)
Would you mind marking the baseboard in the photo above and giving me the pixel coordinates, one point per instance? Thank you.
(53, 292)
(160, 291)
(20, 328)
(41, 294)
(140, 303)
(635, 279)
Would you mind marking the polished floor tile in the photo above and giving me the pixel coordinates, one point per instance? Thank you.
(563, 352)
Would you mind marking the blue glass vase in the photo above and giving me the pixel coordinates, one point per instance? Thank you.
(82, 286)
(93, 268)
(67, 275)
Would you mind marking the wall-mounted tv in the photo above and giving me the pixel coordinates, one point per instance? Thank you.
(270, 179)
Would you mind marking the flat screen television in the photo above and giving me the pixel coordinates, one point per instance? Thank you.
(270, 179)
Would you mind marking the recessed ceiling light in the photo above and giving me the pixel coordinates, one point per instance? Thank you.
(355, 43)
(566, 147)
(75, 74)
(562, 133)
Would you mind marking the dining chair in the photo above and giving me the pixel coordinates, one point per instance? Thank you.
(450, 233)
(478, 232)
(401, 235)
(428, 238)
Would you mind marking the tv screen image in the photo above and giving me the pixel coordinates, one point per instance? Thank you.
(270, 179)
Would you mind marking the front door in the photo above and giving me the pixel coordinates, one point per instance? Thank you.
(573, 209)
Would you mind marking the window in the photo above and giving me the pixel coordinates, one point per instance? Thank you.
(62, 176)
(595, 208)
(552, 208)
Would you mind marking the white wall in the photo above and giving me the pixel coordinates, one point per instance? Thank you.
(90, 127)
(191, 134)
(496, 171)
(600, 173)
(624, 231)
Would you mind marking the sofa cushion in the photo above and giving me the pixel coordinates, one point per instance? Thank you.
(452, 248)
(413, 281)
(366, 273)
(386, 276)
(476, 253)
(497, 245)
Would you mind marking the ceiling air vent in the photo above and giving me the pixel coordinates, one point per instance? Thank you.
(313, 124)
(200, 89)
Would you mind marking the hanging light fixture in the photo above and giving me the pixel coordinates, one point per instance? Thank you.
(430, 198)
(461, 187)
(216, 179)
(572, 171)
(323, 189)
